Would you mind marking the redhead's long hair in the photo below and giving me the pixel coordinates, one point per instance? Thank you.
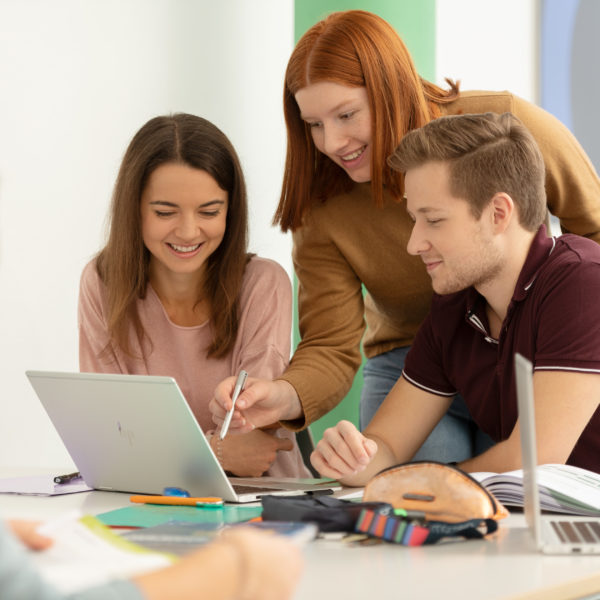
(123, 263)
(358, 49)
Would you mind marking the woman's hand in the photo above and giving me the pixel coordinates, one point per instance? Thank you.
(241, 564)
(26, 531)
(250, 454)
(261, 403)
(343, 451)
(271, 564)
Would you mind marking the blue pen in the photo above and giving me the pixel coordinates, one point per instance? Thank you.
(175, 491)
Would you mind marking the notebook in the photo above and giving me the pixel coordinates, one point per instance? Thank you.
(181, 537)
(553, 534)
(137, 434)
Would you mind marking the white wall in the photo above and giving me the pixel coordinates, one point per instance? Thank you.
(489, 45)
(77, 79)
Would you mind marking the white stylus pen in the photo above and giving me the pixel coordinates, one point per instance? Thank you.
(239, 386)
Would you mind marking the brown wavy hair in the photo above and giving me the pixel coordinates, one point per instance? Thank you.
(123, 263)
(358, 49)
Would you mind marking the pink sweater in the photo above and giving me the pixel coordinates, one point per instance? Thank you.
(262, 346)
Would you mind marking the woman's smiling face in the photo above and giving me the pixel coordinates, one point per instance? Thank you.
(339, 118)
(183, 213)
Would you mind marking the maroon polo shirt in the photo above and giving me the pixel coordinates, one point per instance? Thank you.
(553, 319)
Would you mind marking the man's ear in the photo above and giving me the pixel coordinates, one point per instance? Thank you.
(503, 211)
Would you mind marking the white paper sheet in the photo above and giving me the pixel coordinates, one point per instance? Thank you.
(86, 553)
(41, 485)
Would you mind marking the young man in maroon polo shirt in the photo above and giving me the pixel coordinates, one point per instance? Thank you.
(475, 190)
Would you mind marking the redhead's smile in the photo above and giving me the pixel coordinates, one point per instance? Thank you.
(352, 160)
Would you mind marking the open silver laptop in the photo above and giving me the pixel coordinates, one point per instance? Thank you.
(136, 433)
(553, 534)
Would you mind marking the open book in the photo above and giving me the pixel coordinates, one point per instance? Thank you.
(563, 488)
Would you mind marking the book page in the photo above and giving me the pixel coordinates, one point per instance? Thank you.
(563, 488)
(572, 482)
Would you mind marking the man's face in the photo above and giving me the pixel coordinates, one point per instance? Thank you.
(458, 250)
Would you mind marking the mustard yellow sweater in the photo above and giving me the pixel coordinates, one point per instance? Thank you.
(346, 242)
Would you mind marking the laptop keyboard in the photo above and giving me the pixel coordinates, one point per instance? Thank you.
(577, 532)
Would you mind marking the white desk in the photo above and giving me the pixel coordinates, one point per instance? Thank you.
(504, 567)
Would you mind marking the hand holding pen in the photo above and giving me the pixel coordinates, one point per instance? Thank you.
(239, 386)
(263, 403)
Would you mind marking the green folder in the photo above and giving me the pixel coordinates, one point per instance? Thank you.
(148, 515)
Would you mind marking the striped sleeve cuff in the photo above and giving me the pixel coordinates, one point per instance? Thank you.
(426, 388)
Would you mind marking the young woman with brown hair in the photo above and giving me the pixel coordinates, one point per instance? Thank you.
(351, 93)
(175, 292)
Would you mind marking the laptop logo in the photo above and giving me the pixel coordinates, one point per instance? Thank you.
(126, 433)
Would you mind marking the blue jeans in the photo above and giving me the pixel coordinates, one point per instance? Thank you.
(456, 437)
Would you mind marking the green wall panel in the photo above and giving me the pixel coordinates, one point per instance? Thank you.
(414, 20)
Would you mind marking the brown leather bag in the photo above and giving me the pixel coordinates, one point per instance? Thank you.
(443, 492)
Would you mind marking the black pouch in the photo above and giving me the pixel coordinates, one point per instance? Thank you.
(330, 514)
(375, 519)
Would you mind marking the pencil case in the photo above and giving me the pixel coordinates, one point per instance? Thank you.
(441, 492)
(411, 528)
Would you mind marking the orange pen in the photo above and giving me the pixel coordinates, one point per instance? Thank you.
(178, 500)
